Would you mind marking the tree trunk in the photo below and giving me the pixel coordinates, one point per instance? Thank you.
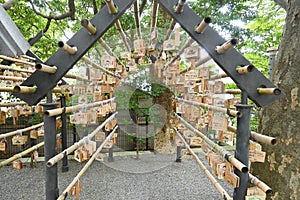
(163, 139)
(281, 170)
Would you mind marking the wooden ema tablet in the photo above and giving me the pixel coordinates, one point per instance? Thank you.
(41, 131)
(82, 99)
(34, 134)
(33, 158)
(15, 113)
(2, 117)
(257, 156)
(81, 154)
(179, 143)
(75, 190)
(219, 87)
(100, 136)
(97, 96)
(92, 117)
(26, 110)
(221, 169)
(254, 193)
(17, 164)
(110, 125)
(192, 52)
(226, 137)
(169, 45)
(109, 62)
(230, 103)
(19, 140)
(139, 48)
(181, 127)
(230, 177)
(58, 124)
(3, 146)
(90, 147)
(188, 134)
(196, 142)
(255, 152)
(108, 145)
(125, 55)
(58, 142)
(79, 89)
(213, 161)
(219, 121)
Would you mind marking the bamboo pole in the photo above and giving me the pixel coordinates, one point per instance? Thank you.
(45, 68)
(120, 29)
(12, 104)
(72, 76)
(24, 89)
(20, 155)
(88, 61)
(203, 25)
(106, 47)
(31, 71)
(269, 91)
(86, 166)
(179, 7)
(89, 26)
(216, 148)
(202, 61)
(6, 89)
(203, 168)
(12, 78)
(17, 60)
(5, 67)
(226, 46)
(78, 144)
(264, 187)
(56, 90)
(171, 28)
(218, 76)
(58, 111)
(210, 107)
(28, 57)
(137, 18)
(233, 91)
(257, 136)
(197, 64)
(9, 134)
(245, 69)
(67, 48)
(155, 7)
(111, 7)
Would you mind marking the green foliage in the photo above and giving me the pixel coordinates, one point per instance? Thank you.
(266, 28)
(259, 61)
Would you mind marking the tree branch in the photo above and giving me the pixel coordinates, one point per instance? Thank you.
(72, 9)
(70, 14)
(50, 17)
(282, 3)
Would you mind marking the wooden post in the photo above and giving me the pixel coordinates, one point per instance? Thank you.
(65, 166)
(242, 146)
(52, 191)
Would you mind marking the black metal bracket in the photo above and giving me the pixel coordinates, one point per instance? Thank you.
(228, 61)
(83, 40)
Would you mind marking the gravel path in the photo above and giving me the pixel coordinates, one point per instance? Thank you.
(152, 177)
